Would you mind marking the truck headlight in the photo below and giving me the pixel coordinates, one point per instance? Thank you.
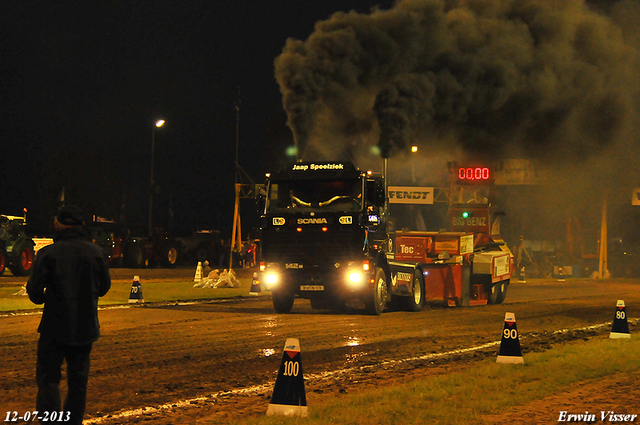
(355, 279)
(271, 280)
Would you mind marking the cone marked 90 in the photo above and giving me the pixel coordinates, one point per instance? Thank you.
(620, 327)
(510, 351)
(289, 397)
(136, 291)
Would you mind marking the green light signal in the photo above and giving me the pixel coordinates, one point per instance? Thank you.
(465, 214)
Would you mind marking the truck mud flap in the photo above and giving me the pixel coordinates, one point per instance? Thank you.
(466, 286)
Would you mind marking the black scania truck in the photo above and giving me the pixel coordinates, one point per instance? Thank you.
(321, 232)
(325, 237)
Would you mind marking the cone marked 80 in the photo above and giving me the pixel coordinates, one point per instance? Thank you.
(510, 351)
(620, 328)
(289, 397)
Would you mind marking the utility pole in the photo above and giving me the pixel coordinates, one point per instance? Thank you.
(236, 233)
(158, 124)
(242, 190)
(603, 265)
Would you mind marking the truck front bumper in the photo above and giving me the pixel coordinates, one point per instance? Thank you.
(339, 279)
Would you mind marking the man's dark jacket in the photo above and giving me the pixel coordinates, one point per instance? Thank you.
(75, 274)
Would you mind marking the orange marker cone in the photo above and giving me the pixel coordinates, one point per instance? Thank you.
(522, 278)
(560, 275)
(255, 285)
(620, 328)
(289, 397)
(510, 351)
(136, 291)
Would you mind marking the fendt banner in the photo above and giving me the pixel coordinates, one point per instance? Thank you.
(410, 195)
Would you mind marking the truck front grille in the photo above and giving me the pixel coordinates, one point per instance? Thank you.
(311, 245)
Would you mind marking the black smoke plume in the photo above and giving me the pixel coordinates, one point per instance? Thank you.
(505, 77)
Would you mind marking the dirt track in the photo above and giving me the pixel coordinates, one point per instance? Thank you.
(153, 355)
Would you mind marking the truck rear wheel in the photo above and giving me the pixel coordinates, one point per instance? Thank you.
(282, 301)
(23, 260)
(377, 300)
(502, 290)
(493, 291)
(416, 301)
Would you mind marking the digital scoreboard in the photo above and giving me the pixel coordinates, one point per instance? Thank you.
(474, 174)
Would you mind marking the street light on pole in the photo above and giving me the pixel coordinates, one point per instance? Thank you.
(414, 149)
(158, 124)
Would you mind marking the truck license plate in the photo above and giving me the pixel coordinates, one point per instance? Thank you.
(312, 287)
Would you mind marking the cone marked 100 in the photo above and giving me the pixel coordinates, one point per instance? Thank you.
(510, 351)
(289, 397)
(620, 328)
(136, 291)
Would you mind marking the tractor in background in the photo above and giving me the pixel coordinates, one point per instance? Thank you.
(123, 249)
(17, 248)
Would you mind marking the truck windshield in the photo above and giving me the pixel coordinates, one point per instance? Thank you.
(315, 195)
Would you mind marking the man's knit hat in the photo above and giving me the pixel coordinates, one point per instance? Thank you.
(70, 215)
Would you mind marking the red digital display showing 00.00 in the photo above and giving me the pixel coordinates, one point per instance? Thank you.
(477, 173)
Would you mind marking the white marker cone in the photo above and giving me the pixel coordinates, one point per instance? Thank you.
(136, 291)
(620, 328)
(198, 276)
(510, 351)
(289, 397)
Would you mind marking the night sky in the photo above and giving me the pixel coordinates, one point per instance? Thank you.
(83, 82)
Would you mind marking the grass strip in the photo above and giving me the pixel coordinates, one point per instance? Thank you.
(152, 291)
(467, 396)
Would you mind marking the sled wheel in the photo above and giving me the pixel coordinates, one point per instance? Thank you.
(502, 290)
(416, 301)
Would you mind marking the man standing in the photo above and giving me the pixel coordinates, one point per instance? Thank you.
(68, 277)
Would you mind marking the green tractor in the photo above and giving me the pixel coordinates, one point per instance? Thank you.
(17, 250)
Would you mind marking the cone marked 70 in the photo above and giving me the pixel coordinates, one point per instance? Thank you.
(136, 291)
(510, 351)
(289, 397)
(620, 328)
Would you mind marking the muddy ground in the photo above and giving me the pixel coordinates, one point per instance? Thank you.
(207, 362)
